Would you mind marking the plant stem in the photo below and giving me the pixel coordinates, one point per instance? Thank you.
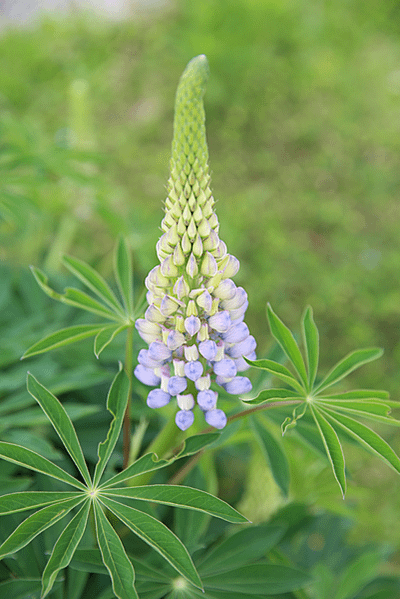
(127, 418)
(184, 471)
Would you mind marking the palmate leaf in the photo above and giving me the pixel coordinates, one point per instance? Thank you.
(281, 372)
(28, 500)
(158, 536)
(364, 409)
(180, 496)
(333, 448)
(351, 362)
(65, 547)
(114, 557)
(287, 342)
(63, 337)
(61, 422)
(311, 344)
(272, 395)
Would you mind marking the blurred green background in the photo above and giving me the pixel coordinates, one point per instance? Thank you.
(303, 121)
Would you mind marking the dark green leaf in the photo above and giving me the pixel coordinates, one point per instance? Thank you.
(106, 336)
(63, 337)
(123, 273)
(281, 372)
(287, 342)
(20, 588)
(37, 523)
(351, 362)
(362, 394)
(158, 536)
(29, 459)
(181, 496)
(332, 446)
(246, 545)
(271, 395)
(258, 578)
(114, 557)
(274, 454)
(117, 400)
(311, 343)
(367, 437)
(80, 299)
(61, 422)
(64, 548)
(28, 500)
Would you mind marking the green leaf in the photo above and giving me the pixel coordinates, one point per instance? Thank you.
(29, 459)
(181, 496)
(106, 336)
(93, 281)
(311, 343)
(80, 299)
(28, 500)
(117, 401)
(368, 409)
(63, 337)
(158, 536)
(61, 422)
(258, 578)
(367, 437)
(271, 395)
(351, 362)
(19, 588)
(150, 461)
(291, 422)
(114, 557)
(37, 523)
(123, 273)
(247, 545)
(333, 448)
(287, 342)
(274, 454)
(64, 548)
(362, 394)
(281, 372)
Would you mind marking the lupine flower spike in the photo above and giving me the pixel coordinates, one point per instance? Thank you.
(194, 323)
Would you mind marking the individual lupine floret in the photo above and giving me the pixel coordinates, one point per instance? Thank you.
(194, 324)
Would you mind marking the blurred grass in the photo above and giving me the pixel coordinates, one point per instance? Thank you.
(303, 119)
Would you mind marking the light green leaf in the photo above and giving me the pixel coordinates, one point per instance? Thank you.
(274, 455)
(114, 557)
(93, 281)
(290, 422)
(311, 343)
(242, 547)
(287, 342)
(106, 336)
(362, 394)
(117, 400)
(351, 362)
(150, 462)
(123, 273)
(258, 578)
(28, 500)
(333, 447)
(366, 409)
(37, 523)
(181, 496)
(271, 395)
(281, 372)
(367, 437)
(64, 548)
(61, 422)
(158, 536)
(29, 459)
(80, 299)
(63, 337)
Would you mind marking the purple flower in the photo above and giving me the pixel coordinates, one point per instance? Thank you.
(176, 384)
(216, 418)
(207, 400)
(220, 322)
(145, 360)
(236, 333)
(146, 376)
(225, 368)
(184, 419)
(238, 385)
(193, 370)
(192, 325)
(208, 349)
(159, 352)
(157, 398)
(244, 348)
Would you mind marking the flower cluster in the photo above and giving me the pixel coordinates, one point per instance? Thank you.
(194, 324)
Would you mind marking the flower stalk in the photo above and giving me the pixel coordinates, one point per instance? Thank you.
(194, 323)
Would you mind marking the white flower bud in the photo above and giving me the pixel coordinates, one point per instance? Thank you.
(185, 402)
(191, 352)
(181, 288)
(186, 245)
(191, 267)
(198, 246)
(208, 265)
(204, 228)
(178, 255)
(168, 268)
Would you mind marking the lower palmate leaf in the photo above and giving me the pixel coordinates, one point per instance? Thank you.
(101, 499)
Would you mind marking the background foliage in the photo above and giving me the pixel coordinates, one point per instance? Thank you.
(303, 129)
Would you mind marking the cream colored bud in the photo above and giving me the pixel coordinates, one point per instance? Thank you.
(211, 242)
(191, 309)
(168, 268)
(220, 251)
(191, 267)
(169, 305)
(179, 323)
(181, 227)
(178, 256)
(208, 265)
(172, 236)
(192, 230)
(179, 367)
(181, 288)
(192, 201)
(198, 246)
(186, 245)
(204, 228)
(153, 314)
(197, 214)
(191, 353)
(203, 335)
(229, 266)
(186, 214)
